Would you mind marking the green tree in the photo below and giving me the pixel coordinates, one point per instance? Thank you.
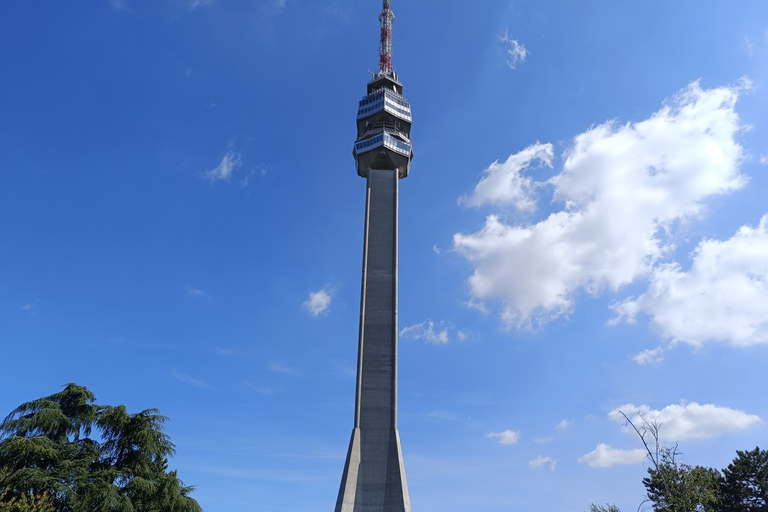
(25, 502)
(671, 485)
(677, 487)
(601, 508)
(745, 482)
(48, 447)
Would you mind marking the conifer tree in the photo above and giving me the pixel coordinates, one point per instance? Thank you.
(86, 457)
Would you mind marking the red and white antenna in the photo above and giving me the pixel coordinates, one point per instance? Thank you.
(385, 50)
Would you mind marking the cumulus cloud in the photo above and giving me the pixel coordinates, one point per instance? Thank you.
(225, 169)
(564, 424)
(649, 356)
(722, 298)
(681, 422)
(426, 331)
(504, 184)
(604, 456)
(764, 159)
(319, 302)
(622, 187)
(541, 462)
(516, 52)
(506, 437)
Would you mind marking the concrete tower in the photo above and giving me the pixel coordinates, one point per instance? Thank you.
(374, 476)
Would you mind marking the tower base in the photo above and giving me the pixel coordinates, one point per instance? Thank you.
(374, 475)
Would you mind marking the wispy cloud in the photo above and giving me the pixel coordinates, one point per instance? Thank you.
(281, 368)
(119, 5)
(749, 45)
(196, 4)
(764, 159)
(195, 292)
(225, 169)
(262, 390)
(622, 189)
(507, 437)
(426, 331)
(273, 7)
(319, 302)
(183, 377)
(604, 456)
(516, 52)
(541, 462)
(564, 424)
(31, 307)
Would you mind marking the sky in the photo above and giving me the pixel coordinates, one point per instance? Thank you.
(584, 232)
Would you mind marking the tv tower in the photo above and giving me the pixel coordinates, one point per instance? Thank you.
(374, 475)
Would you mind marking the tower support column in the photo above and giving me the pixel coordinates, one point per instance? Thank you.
(374, 476)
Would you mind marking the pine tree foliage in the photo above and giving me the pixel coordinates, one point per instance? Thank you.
(745, 482)
(674, 486)
(24, 502)
(86, 457)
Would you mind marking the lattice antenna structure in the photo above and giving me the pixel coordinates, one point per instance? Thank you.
(385, 49)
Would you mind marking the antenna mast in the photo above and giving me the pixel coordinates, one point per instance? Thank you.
(385, 49)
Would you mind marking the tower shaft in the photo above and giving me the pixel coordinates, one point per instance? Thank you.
(374, 476)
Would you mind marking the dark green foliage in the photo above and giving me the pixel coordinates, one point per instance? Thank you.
(601, 508)
(745, 482)
(47, 448)
(677, 487)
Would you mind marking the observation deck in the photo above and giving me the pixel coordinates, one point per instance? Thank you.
(383, 127)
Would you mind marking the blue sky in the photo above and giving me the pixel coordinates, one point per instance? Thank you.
(583, 231)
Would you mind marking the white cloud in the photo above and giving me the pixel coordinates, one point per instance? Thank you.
(31, 307)
(540, 462)
(543, 440)
(461, 335)
(723, 297)
(604, 456)
(281, 368)
(195, 292)
(623, 188)
(319, 302)
(764, 159)
(426, 331)
(516, 51)
(506, 437)
(435, 249)
(190, 380)
(649, 356)
(194, 4)
(504, 184)
(119, 5)
(686, 421)
(564, 424)
(225, 169)
(273, 7)
(750, 46)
